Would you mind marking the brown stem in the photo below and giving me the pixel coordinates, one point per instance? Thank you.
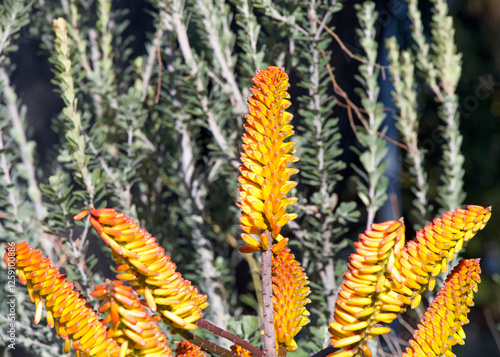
(350, 105)
(205, 344)
(346, 50)
(267, 298)
(158, 53)
(229, 336)
(282, 351)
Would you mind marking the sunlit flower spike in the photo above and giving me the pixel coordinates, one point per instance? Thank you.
(441, 326)
(436, 245)
(366, 299)
(290, 291)
(143, 264)
(66, 310)
(265, 174)
(131, 326)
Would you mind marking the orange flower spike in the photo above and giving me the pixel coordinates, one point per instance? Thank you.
(366, 298)
(65, 308)
(290, 291)
(187, 349)
(264, 173)
(441, 327)
(131, 326)
(437, 243)
(144, 265)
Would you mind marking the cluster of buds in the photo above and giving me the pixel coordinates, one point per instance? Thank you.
(265, 174)
(441, 326)
(366, 297)
(131, 326)
(290, 291)
(66, 310)
(436, 245)
(384, 278)
(142, 263)
(187, 349)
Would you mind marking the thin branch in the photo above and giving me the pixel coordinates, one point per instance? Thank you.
(159, 33)
(277, 16)
(347, 51)
(326, 18)
(391, 344)
(406, 324)
(7, 31)
(227, 68)
(205, 344)
(229, 336)
(187, 53)
(357, 110)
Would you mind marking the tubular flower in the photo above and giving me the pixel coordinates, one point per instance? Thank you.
(66, 310)
(290, 291)
(240, 351)
(436, 244)
(441, 326)
(131, 326)
(366, 297)
(143, 264)
(266, 156)
(187, 349)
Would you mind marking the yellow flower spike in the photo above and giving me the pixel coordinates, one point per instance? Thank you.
(187, 349)
(441, 327)
(131, 325)
(68, 311)
(144, 265)
(264, 173)
(450, 232)
(365, 298)
(290, 291)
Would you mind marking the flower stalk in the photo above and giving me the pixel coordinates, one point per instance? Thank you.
(267, 299)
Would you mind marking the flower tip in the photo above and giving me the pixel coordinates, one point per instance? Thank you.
(81, 215)
(248, 249)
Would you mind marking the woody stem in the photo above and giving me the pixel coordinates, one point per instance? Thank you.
(267, 298)
(229, 336)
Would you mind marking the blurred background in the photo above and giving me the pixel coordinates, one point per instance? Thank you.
(477, 24)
